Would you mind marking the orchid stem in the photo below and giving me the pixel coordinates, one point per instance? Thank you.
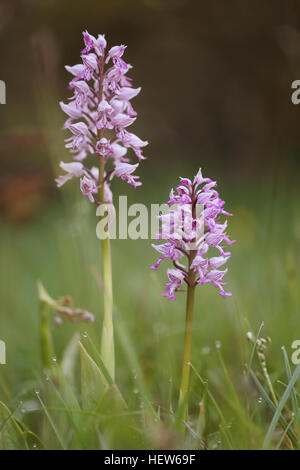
(107, 341)
(185, 378)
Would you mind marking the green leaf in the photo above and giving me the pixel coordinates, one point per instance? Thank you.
(11, 434)
(108, 381)
(69, 360)
(44, 296)
(92, 381)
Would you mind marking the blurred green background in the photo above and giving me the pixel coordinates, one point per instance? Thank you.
(216, 79)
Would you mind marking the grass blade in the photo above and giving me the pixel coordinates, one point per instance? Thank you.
(57, 433)
(281, 405)
(272, 407)
(293, 392)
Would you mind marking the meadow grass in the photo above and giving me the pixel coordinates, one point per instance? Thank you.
(230, 402)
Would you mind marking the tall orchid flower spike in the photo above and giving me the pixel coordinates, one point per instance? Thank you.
(99, 114)
(195, 240)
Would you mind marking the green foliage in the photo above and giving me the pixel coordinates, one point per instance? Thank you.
(79, 406)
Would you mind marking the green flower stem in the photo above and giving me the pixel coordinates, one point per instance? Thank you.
(107, 342)
(47, 348)
(187, 339)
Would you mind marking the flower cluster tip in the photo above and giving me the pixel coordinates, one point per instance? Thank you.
(99, 114)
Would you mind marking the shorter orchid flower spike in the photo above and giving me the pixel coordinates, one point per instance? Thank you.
(192, 230)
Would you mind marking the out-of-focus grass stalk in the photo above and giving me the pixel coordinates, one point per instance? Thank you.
(185, 376)
(107, 340)
(47, 348)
